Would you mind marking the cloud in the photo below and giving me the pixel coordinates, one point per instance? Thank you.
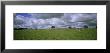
(46, 20)
(56, 21)
(46, 15)
(79, 17)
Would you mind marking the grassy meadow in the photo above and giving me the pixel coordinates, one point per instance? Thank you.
(56, 34)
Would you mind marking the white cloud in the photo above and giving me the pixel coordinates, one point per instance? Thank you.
(79, 17)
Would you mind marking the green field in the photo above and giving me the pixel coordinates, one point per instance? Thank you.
(56, 34)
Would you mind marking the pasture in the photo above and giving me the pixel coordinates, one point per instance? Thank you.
(56, 34)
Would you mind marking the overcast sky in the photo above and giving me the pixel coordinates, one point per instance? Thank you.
(60, 20)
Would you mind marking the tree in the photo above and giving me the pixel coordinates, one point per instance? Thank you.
(53, 27)
(85, 26)
(69, 27)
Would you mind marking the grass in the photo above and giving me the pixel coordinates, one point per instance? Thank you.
(56, 34)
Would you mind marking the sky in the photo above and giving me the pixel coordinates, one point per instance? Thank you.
(59, 20)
